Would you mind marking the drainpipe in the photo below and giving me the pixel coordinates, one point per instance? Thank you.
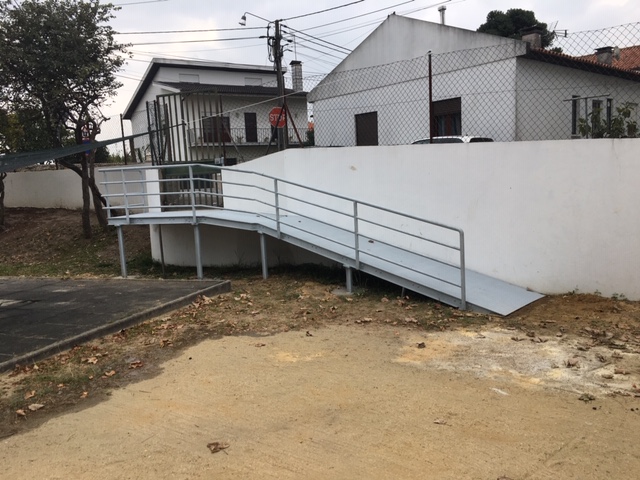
(442, 9)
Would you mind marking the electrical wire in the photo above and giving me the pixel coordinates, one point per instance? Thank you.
(316, 38)
(325, 10)
(189, 31)
(195, 41)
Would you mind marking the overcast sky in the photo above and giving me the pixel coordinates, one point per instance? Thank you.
(349, 26)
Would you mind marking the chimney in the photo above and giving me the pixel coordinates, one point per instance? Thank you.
(605, 55)
(533, 36)
(296, 75)
(442, 9)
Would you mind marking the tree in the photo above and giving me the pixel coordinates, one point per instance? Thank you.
(60, 60)
(511, 23)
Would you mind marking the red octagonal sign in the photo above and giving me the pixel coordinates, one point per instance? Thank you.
(277, 117)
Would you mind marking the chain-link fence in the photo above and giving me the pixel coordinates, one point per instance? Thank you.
(586, 85)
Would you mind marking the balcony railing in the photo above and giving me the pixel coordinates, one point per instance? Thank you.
(205, 137)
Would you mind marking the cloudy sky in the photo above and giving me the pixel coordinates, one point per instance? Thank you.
(344, 25)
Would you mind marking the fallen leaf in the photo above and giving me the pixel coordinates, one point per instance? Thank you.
(84, 395)
(136, 364)
(30, 394)
(216, 447)
(34, 407)
(440, 422)
(109, 374)
(422, 345)
(309, 334)
(260, 345)
(21, 413)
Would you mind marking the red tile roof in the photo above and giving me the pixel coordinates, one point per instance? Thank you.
(629, 58)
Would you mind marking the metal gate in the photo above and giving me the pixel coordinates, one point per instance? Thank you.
(190, 127)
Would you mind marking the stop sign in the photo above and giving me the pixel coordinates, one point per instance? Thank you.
(277, 117)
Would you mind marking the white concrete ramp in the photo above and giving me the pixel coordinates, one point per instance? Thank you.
(358, 235)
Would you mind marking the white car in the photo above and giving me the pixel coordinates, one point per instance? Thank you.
(454, 139)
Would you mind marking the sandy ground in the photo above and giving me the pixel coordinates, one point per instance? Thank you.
(352, 401)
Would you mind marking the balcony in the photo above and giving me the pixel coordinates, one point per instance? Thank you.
(199, 137)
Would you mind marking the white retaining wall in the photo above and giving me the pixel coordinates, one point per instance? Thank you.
(53, 188)
(553, 216)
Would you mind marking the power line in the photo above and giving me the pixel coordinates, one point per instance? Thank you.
(316, 38)
(325, 10)
(361, 15)
(195, 41)
(189, 31)
(138, 3)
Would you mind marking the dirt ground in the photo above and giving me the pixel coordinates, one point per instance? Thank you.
(285, 379)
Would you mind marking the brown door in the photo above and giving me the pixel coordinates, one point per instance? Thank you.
(367, 129)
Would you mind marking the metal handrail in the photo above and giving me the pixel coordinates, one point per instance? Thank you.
(276, 191)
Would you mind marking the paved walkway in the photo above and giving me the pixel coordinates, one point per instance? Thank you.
(40, 317)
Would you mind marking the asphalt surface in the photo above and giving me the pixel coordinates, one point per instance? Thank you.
(42, 317)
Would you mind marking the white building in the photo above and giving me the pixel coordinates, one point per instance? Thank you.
(206, 111)
(482, 85)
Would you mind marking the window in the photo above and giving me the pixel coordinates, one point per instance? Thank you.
(367, 129)
(447, 115)
(216, 129)
(250, 127)
(574, 114)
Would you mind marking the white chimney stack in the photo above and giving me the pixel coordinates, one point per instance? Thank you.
(296, 76)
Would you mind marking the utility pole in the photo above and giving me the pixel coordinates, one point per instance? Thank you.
(283, 134)
(276, 53)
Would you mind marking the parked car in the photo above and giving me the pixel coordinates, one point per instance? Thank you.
(454, 139)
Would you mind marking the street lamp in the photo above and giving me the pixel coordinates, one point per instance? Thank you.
(243, 18)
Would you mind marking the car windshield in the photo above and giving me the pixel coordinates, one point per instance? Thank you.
(480, 139)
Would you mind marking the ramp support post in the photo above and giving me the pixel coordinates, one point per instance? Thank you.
(196, 238)
(349, 272)
(263, 256)
(123, 259)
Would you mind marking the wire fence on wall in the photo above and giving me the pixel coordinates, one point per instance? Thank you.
(507, 92)
(584, 85)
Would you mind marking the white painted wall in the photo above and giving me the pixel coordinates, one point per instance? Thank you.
(224, 247)
(553, 216)
(403, 38)
(59, 188)
(543, 91)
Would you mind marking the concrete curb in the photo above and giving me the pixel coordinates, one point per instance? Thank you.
(62, 345)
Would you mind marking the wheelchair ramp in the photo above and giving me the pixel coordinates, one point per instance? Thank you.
(360, 236)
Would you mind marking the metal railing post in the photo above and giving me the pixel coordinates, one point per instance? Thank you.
(356, 234)
(192, 194)
(125, 195)
(106, 190)
(463, 275)
(277, 204)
